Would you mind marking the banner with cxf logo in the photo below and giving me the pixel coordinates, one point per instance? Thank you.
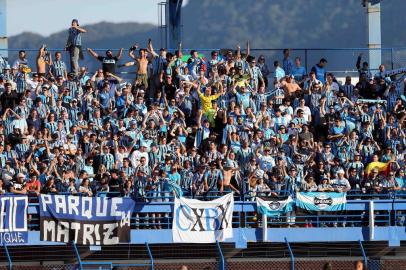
(321, 201)
(197, 221)
(274, 207)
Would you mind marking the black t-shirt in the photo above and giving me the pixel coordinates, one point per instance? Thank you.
(108, 63)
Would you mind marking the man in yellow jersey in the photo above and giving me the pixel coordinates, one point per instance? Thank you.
(206, 98)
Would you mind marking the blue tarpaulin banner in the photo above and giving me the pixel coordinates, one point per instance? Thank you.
(85, 220)
(321, 201)
(13, 220)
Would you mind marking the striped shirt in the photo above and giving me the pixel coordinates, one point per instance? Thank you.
(21, 83)
(73, 88)
(21, 149)
(51, 126)
(278, 95)
(75, 37)
(108, 161)
(58, 68)
(129, 171)
(348, 90)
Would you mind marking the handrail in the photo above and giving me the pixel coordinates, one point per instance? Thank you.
(75, 249)
(222, 265)
(292, 257)
(10, 262)
(150, 255)
(216, 49)
(363, 253)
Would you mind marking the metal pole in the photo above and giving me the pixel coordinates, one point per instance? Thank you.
(371, 221)
(10, 262)
(75, 249)
(364, 255)
(264, 228)
(374, 34)
(292, 257)
(3, 29)
(150, 256)
(222, 265)
(391, 57)
(307, 68)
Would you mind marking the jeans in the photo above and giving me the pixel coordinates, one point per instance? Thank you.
(74, 59)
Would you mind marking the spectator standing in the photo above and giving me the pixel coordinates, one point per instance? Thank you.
(74, 45)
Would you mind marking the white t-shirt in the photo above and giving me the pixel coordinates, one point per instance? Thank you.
(306, 112)
(136, 156)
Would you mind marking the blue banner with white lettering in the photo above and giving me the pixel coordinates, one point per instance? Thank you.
(322, 201)
(13, 220)
(85, 220)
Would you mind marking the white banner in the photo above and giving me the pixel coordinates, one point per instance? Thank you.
(197, 221)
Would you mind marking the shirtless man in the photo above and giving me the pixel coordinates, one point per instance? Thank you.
(228, 173)
(42, 61)
(141, 62)
(290, 86)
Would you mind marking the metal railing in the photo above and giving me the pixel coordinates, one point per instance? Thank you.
(341, 61)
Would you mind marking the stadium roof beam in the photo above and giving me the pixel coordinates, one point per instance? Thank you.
(373, 9)
(3, 29)
(170, 32)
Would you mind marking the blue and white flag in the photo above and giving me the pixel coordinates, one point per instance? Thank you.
(321, 201)
(274, 207)
(13, 219)
(85, 220)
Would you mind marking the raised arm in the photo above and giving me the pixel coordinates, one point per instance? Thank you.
(248, 48)
(238, 55)
(41, 50)
(132, 50)
(80, 29)
(150, 49)
(120, 53)
(114, 76)
(92, 53)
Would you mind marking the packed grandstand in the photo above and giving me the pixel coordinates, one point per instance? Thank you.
(196, 126)
(193, 148)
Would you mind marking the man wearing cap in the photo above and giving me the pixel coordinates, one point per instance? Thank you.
(18, 186)
(340, 183)
(74, 45)
(135, 157)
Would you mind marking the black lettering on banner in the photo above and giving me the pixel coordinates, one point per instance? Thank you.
(198, 219)
(224, 210)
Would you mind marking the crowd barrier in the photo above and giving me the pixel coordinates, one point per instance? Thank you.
(341, 61)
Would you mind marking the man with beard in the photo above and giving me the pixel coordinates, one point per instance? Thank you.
(109, 62)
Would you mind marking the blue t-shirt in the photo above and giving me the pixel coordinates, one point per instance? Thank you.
(298, 73)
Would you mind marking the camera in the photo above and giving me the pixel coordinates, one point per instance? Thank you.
(133, 47)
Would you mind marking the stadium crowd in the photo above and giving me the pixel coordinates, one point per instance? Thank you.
(196, 125)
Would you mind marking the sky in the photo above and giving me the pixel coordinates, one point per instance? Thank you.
(49, 16)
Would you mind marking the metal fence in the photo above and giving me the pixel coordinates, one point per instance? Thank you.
(341, 61)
